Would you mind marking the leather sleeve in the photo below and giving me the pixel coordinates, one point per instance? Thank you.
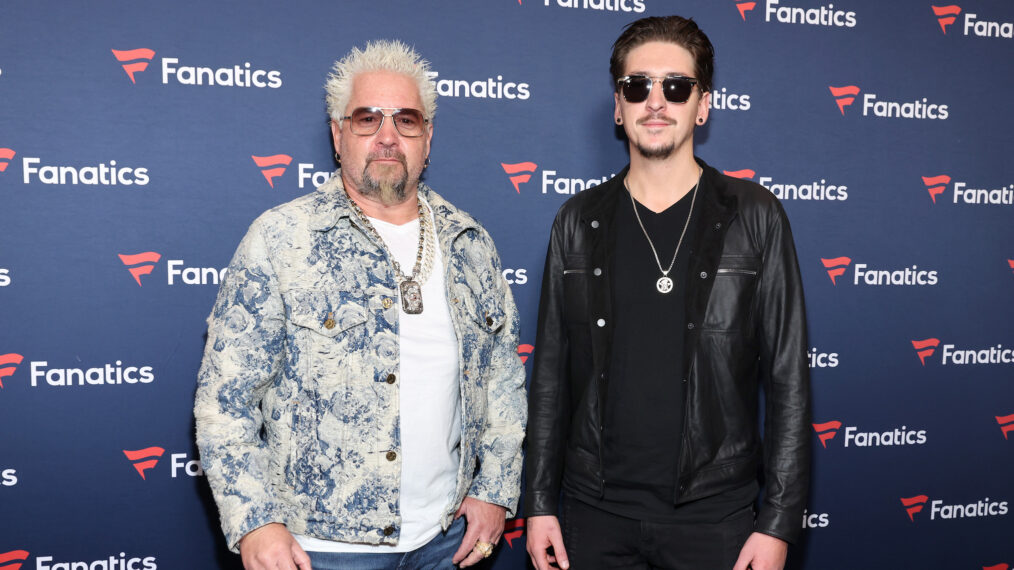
(786, 384)
(548, 395)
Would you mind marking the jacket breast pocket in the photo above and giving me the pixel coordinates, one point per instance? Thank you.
(575, 291)
(325, 327)
(731, 304)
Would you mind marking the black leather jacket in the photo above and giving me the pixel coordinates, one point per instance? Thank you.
(746, 328)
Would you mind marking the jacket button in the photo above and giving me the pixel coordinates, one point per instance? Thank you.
(683, 488)
(718, 226)
(601, 322)
(597, 271)
(387, 302)
(690, 326)
(389, 531)
(391, 456)
(595, 224)
(684, 380)
(704, 274)
(329, 324)
(391, 378)
(489, 321)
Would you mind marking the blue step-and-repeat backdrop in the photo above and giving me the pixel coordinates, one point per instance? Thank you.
(138, 140)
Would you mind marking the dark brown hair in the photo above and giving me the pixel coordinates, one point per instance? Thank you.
(672, 29)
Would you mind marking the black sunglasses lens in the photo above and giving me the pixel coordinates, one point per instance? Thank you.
(677, 89)
(636, 89)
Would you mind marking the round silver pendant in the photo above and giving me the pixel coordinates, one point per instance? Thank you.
(664, 284)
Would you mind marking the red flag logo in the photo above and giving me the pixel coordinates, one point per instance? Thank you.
(745, 7)
(946, 15)
(826, 431)
(1011, 263)
(524, 351)
(522, 172)
(745, 174)
(6, 154)
(144, 459)
(8, 364)
(272, 166)
(844, 96)
(1006, 424)
(144, 263)
(936, 185)
(12, 560)
(513, 530)
(913, 505)
(136, 60)
(925, 348)
(836, 267)
(997, 567)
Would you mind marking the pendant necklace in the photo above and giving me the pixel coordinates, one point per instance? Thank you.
(664, 283)
(410, 287)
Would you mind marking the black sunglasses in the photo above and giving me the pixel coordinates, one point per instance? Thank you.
(675, 88)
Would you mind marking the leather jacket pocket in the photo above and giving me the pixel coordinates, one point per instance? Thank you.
(731, 306)
(575, 292)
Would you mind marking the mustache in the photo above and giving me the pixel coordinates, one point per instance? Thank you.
(385, 154)
(656, 117)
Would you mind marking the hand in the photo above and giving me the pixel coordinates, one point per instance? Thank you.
(762, 552)
(543, 532)
(485, 524)
(272, 547)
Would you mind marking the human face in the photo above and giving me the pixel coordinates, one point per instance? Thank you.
(655, 127)
(384, 166)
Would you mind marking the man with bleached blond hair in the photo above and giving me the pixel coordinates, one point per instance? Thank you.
(361, 398)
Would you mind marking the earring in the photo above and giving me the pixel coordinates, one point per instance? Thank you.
(337, 158)
(700, 120)
(619, 121)
(426, 164)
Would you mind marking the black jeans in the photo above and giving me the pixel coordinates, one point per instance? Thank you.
(597, 539)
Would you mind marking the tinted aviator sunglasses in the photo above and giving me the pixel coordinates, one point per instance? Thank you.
(365, 121)
(675, 88)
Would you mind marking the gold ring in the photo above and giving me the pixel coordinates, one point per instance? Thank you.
(484, 548)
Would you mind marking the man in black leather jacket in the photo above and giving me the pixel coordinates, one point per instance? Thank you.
(671, 295)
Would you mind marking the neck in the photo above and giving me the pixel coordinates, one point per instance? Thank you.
(397, 213)
(658, 184)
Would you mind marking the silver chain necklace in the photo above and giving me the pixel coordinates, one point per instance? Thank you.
(664, 283)
(410, 286)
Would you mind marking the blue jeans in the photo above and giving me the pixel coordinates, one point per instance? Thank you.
(434, 555)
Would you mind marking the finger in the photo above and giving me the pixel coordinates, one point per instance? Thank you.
(472, 558)
(742, 563)
(467, 544)
(559, 551)
(300, 557)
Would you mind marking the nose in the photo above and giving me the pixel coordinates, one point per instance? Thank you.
(656, 99)
(388, 133)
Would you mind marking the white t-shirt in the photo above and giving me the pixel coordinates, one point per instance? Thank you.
(429, 402)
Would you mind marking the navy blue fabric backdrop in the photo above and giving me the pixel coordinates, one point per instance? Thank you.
(139, 140)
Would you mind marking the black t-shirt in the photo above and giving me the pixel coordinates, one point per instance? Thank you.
(643, 419)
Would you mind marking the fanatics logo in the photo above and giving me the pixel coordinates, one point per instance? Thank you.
(136, 60)
(8, 364)
(745, 174)
(946, 15)
(745, 7)
(144, 262)
(844, 96)
(913, 505)
(525, 351)
(144, 459)
(1006, 424)
(925, 348)
(12, 560)
(272, 166)
(836, 267)
(511, 531)
(826, 431)
(6, 154)
(522, 172)
(936, 185)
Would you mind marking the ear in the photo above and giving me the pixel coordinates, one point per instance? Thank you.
(336, 135)
(703, 107)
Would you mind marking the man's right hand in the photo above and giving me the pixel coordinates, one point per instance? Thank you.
(543, 532)
(272, 547)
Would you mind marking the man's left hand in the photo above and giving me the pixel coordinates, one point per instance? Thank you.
(762, 552)
(485, 524)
